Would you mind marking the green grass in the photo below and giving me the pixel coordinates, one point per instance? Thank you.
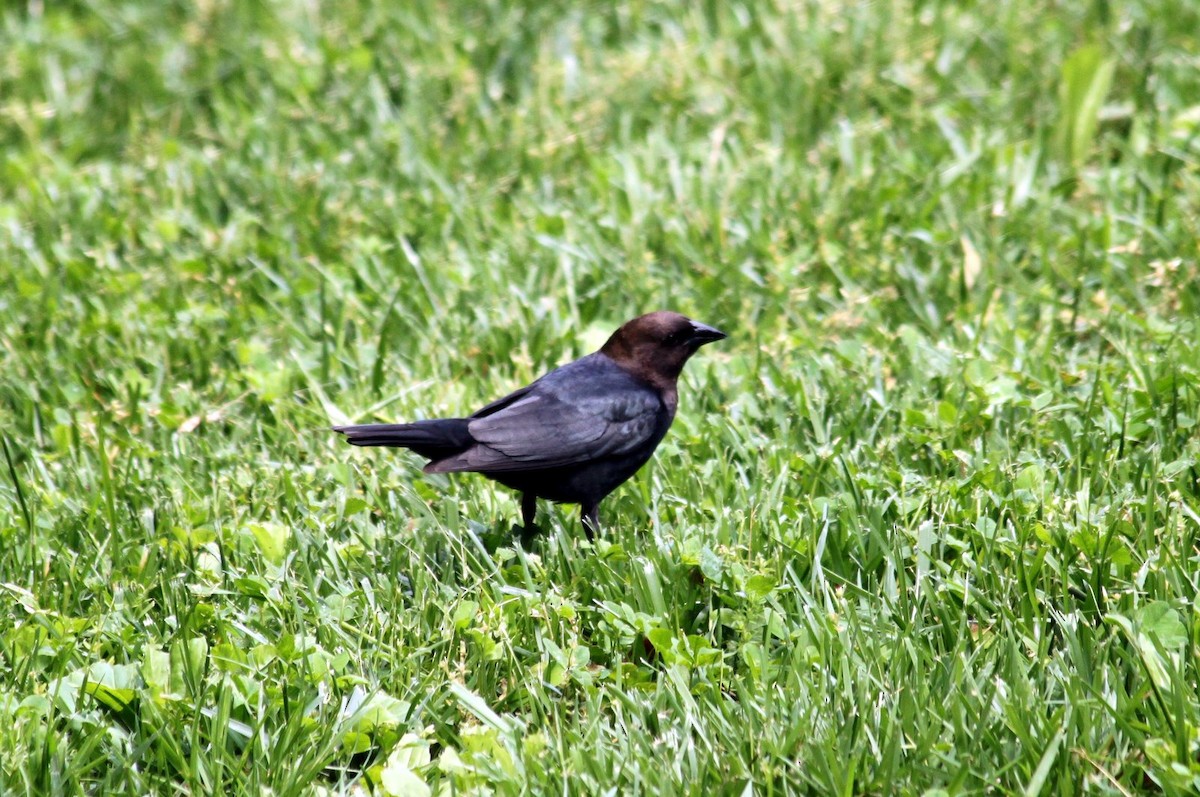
(926, 523)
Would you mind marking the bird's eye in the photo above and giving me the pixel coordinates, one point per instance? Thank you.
(675, 338)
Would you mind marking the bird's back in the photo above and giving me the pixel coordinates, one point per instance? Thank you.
(573, 435)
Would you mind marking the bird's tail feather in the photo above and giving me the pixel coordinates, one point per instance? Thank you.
(434, 439)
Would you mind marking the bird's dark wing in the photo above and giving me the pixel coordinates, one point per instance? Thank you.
(495, 406)
(545, 430)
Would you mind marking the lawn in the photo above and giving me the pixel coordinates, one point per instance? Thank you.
(927, 522)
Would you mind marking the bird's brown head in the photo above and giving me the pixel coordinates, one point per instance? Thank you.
(655, 346)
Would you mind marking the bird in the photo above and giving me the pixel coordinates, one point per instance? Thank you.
(575, 434)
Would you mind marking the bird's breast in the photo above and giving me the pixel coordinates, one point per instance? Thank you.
(670, 400)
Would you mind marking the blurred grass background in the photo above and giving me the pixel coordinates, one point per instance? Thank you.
(926, 523)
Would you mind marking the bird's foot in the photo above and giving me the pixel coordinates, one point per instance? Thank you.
(527, 534)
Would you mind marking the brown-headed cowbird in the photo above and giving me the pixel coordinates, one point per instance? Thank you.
(575, 434)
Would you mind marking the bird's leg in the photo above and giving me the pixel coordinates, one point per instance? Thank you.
(590, 515)
(528, 510)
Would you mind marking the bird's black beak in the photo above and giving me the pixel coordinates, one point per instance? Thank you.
(703, 333)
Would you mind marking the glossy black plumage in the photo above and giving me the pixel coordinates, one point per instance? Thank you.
(575, 434)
